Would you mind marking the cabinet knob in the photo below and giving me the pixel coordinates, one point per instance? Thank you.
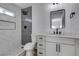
(40, 53)
(40, 44)
(40, 38)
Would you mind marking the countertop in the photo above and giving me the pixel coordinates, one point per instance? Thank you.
(62, 35)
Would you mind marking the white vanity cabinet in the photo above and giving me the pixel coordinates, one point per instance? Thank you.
(59, 46)
(41, 45)
(55, 46)
(54, 49)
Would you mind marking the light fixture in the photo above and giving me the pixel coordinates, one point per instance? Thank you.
(55, 3)
(9, 13)
(1, 10)
(6, 12)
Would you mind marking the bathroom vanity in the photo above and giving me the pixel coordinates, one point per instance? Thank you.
(62, 21)
(53, 45)
(56, 44)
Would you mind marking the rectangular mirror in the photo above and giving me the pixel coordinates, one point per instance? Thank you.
(57, 19)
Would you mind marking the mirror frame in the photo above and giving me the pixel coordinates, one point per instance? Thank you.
(63, 17)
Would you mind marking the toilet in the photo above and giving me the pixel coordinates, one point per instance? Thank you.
(29, 47)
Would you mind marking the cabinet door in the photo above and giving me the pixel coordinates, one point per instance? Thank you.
(67, 50)
(51, 49)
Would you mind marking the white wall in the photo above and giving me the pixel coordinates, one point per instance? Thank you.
(41, 18)
(10, 40)
(39, 21)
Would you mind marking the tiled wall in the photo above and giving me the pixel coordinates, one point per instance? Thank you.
(26, 32)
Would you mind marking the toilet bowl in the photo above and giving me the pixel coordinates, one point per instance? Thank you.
(29, 47)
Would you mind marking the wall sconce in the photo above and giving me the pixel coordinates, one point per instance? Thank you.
(72, 15)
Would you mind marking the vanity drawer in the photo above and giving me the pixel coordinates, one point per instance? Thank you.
(40, 52)
(41, 45)
(61, 40)
(40, 38)
(51, 39)
(66, 40)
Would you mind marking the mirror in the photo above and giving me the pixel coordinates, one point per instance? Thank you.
(57, 19)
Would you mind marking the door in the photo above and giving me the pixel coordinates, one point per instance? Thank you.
(67, 50)
(51, 49)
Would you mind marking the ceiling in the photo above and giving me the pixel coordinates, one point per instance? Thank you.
(23, 5)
